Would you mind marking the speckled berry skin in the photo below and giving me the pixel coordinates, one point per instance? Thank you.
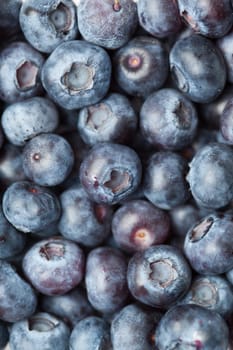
(16, 60)
(118, 21)
(105, 279)
(158, 276)
(54, 266)
(208, 244)
(29, 207)
(23, 120)
(47, 159)
(82, 220)
(198, 68)
(41, 331)
(60, 71)
(141, 66)
(18, 299)
(168, 119)
(91, 333)
(212, 165)
(110, 172)
(191, 327)
(46, 24)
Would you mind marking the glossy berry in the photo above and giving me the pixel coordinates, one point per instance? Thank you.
(111, 120)
(47, 159)
(18, 299)
(211, 166)
(23, 120)
(30, 207)
(159, 18)
(54, 266)
(138, 224)
(110, 172)
(191, 327)
(76, 74)
(82, 220)
(208, 244)
(133, 328)
(211, 18)
(168, 119)
(141, 66)
(41, 331)
(158, 276)
(71, 307)
(164, 180)
(198, 68)
(212, 292)
(105, 279)
(107, 23)
(46, 24)
(91, 333)
(21, 64)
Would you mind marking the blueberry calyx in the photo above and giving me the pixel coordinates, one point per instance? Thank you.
(118, 181)
(60, 19)
(179, 79)
(78, 78)
(204, 293)
(200, 230)
(116, 6)
(41, 324)
(163, 272)
(52, 250)
(26, 75)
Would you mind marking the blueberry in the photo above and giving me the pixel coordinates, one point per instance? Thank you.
(41, 331)
(225, 46)
(25, 119)
(21, 64)
(212, 292)
(91, 333)
(183, 217)
(208, 244)
(110, 172)
(71, 307)
(168, 119)
(159, 18)
(211, 18)
(109, 24)
(18, 299)
(11, 168)
(105, 279)
(189, 327)
(77, 74)
(198, 68)
(164, 180)
(54, 265)
(12, 242)
(211, 175)
(30, 207)
(138, 224)
(141, 66)
(133, 328)
(111, 120)
(158, 276)
(46, 24)
(47, 159)
(82, 220)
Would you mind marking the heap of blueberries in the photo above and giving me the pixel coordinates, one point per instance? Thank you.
(116, 174)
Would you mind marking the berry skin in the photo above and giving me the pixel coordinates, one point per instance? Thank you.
(41, 331)
(46, 24)
(110, 172)
(191, 327)
(29, 207)
(47, 159)
(198, 68)
(107, 23)
(54, 266)
(158, 276)
(76, 74)
(211, 166)
(23, 120)
(138, 224)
